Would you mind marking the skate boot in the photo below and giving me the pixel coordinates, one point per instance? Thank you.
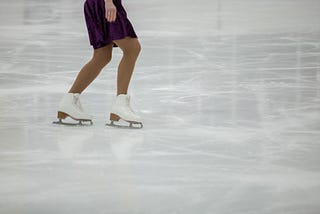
(70, 106)
(121, 109)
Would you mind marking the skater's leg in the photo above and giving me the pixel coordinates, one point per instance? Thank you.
(101, 57)
(121, 108)
(131, 49)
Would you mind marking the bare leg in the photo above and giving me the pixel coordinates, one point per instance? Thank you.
(101, 57)
(131, 49)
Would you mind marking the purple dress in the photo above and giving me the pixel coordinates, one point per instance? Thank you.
(101, 32)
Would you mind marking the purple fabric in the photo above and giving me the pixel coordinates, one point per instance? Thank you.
(100, 31)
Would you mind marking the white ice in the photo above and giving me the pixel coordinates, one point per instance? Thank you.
(230, 96)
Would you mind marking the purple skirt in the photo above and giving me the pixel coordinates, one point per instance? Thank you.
(101, 32)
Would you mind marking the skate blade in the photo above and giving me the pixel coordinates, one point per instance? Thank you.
(130, 126)
(80, 123)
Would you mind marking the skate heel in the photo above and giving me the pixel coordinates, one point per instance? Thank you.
(114, 117)
(62, 115)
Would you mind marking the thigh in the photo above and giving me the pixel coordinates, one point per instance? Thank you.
(104, 52)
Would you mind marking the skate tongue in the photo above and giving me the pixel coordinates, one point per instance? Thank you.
(123, 95)
(77, 95)
(77, 101)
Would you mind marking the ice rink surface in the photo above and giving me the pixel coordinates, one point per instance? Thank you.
(228, 90)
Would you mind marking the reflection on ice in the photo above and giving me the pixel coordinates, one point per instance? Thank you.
(123, 143)
(71, 141)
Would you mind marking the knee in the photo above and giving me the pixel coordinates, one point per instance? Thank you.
(133, 49)
(102, 61)
(137, 48)
(107, 59)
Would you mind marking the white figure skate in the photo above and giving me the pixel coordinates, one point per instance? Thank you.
(121, 109)
(70, 106)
